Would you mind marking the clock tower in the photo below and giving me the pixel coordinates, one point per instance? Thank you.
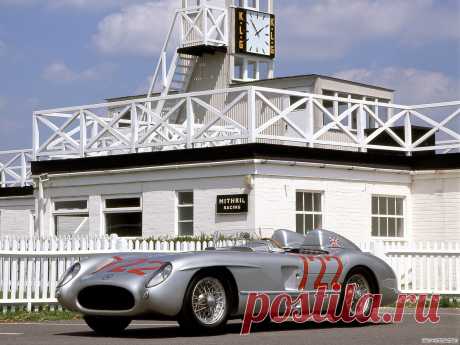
(221, 43)
(254, 46)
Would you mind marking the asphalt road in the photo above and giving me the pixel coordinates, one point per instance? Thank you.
(406, 333)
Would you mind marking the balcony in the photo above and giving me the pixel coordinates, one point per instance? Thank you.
(234, 116)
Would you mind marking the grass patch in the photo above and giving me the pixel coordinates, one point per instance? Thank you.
(39, 316)
(445, 302)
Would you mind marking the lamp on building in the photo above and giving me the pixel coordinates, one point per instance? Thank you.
(249, 181)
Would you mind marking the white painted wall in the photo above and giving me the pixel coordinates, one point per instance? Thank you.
(16, 216)
(158, 191)
(432, 201)
(346, 204)
(436, 206)
(16, 223)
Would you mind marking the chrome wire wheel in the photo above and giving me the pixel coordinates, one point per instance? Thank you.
(209, 301)
(362, 288)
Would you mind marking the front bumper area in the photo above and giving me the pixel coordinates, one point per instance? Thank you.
(164, 300)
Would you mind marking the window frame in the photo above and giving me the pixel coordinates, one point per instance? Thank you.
(245, 60)
(107, 210)
(178, 206)
(84, 213)
(312, 213)
(388, 216)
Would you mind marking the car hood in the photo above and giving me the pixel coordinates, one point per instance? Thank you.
(126, 265)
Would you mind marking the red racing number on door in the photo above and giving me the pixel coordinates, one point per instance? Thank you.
(324, 264)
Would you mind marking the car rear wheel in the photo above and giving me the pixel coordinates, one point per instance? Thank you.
(107, 325)
(206, 304)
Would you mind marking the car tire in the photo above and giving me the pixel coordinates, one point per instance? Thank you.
(206, 305)
(107, 326)
(364, 283)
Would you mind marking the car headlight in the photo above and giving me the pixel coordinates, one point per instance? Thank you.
(160, 276)
(69, 274)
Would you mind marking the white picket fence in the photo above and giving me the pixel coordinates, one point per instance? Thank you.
(30, 268)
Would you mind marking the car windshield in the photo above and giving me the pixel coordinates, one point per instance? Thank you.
(256, 241)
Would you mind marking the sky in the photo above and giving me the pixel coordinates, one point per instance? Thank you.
(57, 53)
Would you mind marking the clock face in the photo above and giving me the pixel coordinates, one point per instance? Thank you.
(258, 33)
(255, 33)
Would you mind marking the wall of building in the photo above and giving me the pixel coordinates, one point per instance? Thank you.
(158, 190)
(16, 216)
(16, 223)
(436, 206)
(347, 197)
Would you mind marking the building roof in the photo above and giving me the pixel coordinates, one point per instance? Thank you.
(315, 76)
(16, 191)
(250, 151)
(265, 81)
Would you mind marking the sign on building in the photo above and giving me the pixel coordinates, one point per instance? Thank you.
(232, 204)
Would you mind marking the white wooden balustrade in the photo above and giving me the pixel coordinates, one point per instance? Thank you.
(242, 115)
(30, 268)
(15, 168)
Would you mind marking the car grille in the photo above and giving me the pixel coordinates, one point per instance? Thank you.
(104, 297)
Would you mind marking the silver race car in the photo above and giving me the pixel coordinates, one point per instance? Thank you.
(203, 290)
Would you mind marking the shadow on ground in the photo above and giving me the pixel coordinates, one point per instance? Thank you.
(170, 332)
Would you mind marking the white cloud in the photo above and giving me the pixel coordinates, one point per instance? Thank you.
(60, 72)
(80, 4)
(413, 86)
(135, 30)
(328, 29)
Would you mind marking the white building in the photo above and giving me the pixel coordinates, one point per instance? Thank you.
(219, 144)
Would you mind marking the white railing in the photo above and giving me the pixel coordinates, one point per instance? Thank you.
(204, 25)
(243, 115)
(30, 268)
(15, 168)
(199, 25)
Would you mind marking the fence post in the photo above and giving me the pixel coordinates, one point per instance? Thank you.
(190, 123)
(361, 128)
(408, 133)
(310, 122)
(23, 169)
(134, 128)
(252, 125)
(35, 137)
(82, 133)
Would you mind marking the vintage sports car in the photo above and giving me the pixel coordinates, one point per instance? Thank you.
(202, 290)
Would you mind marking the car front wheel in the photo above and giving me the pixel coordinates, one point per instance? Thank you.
(206, 304)
(107, 326)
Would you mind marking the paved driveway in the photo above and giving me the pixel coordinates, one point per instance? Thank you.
(406, 333)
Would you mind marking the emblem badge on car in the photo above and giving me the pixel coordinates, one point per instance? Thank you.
(107, 276)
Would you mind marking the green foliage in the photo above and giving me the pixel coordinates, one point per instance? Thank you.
(39, 316)
(197, 238)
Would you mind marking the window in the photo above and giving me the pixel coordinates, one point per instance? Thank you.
(247, 3)
(309, 214)
(264, 70)
(295, 99)
(71, 217)
(185, 213)
(387, 216)
(123, 216)
(252, 69)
